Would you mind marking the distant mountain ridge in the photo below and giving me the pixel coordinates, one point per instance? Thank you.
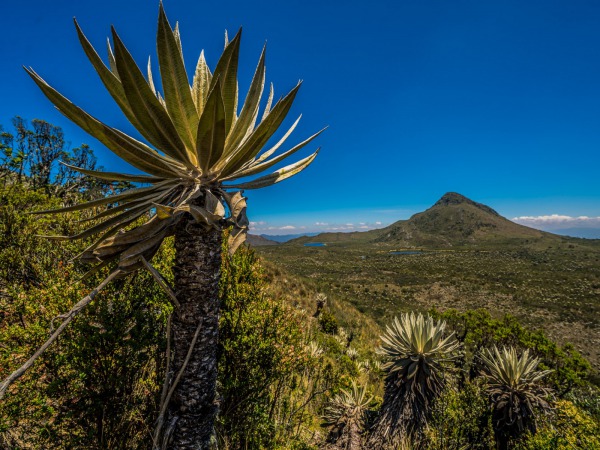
(586, 233)
(257, 241)
(286, 237)
(454, 220)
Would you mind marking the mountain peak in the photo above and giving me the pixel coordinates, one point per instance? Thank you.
(454, 198)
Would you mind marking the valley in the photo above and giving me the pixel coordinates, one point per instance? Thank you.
(548, 282)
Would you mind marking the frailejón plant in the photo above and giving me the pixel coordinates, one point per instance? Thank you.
(515, 391)
(199, 144)
(346, 414)
(415, 349)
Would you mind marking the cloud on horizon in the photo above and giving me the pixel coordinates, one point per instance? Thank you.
(558, 221)
(262, 227)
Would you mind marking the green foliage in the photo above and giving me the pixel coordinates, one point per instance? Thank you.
(260, 353)
(478, 330)
(32, 152)
(328, 323)
(461, 419)
(567, 427)
(554, 289)
(96, 387)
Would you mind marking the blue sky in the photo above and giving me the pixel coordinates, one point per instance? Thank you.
(497, 100)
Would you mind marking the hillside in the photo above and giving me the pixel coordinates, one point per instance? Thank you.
(471, 257)
(453, 221)
(256, 241)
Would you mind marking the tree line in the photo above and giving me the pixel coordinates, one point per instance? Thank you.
(37, 153)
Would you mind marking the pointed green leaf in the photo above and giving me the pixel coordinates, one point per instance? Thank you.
(211, 130)
(114, 176)
(267, 110)
(252, 146)
(250, 107)
(109, 78)
(226, 72)
(177, 35)
(148, 201)
(201, 85)
(150, 113)
(178, 96)
(111, 57)
(131, 194)
(276, 147)
(257, 168)
(277, 176)
(118, 220)
(134, 152)
(150, 77)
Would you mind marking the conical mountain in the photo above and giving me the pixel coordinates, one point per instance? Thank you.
(455, 220)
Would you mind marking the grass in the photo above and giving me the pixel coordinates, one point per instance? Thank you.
(555, 286)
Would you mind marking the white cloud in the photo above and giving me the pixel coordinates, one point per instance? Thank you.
(378, 223)
(288, 227)
(349, 224)
(258, 224)
(321, 224)
(558, 221)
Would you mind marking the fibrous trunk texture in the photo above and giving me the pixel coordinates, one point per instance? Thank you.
(345, 436)
(402, 416)
(193, 408)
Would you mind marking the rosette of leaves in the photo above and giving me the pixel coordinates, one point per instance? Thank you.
(197, 147)
(416, 350)
(515, 391)
(346, 414)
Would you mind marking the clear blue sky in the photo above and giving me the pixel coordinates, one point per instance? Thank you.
(497, 100)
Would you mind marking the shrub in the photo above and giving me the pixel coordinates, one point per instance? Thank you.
(328, 323)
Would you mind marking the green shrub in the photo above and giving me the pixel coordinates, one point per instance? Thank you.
(461, 419)
(568, 427)
(328, 323)
(477, 330)
(96, 386)
(260, 353)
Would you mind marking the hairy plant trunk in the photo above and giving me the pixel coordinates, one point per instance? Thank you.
(402, 416)
(193, 408)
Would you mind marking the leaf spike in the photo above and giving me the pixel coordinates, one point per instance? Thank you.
(177, 92)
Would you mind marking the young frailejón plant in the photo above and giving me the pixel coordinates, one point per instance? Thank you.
(346, 414)
(198, 148)
(514, 389)
(416, 350)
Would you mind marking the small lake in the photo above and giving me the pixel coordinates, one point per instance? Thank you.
(315, 244)
(407, 252)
